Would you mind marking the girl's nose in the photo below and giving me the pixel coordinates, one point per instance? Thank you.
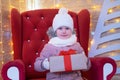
(64, 30)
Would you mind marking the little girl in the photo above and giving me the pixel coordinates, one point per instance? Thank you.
(62, 38)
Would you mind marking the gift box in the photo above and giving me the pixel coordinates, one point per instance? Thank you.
(69, 62)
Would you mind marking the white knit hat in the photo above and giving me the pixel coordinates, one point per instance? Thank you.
(62, 19)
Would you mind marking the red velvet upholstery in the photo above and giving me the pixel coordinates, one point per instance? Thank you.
(29, 36)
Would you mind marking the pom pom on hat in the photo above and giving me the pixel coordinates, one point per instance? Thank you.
(62, 19)
(63, 11)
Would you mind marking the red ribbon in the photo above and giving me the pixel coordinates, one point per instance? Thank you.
(67, 59)
(70, 52)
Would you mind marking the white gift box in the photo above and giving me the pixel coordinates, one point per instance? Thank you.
(68, 63)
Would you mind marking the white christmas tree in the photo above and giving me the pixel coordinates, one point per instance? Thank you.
(106, 37)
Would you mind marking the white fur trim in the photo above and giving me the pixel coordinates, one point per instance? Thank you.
(107, 69)
(56, 41)
(13, 73)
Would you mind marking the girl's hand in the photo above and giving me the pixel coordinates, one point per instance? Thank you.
(46, 64)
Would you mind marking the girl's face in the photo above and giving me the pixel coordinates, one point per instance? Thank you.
(64, 32)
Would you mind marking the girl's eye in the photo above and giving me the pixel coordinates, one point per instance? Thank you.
(67, 28)
(60, 28)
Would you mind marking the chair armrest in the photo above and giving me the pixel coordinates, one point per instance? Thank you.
(100, 66)
(13, 70)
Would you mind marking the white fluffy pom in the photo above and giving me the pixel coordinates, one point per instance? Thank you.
(63, 11)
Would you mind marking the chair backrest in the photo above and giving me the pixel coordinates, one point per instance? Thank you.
(29, 34)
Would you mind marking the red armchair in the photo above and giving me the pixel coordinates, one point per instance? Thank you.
(29, 36)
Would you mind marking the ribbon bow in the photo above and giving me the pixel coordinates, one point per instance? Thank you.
(71, 51)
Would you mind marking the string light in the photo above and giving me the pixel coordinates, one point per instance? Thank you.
(117, 20)
(110, 11)
(112, 54)
(96, 7)
(92, 41)
(12, 52)
(57, 5)
(0, 42)
(112, 30)
(3, 52)
(10, 7)
(104, 46)
(2, 62)
(10, 43)
(88, 48)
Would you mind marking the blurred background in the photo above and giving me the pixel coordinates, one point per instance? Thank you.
(94, 7)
